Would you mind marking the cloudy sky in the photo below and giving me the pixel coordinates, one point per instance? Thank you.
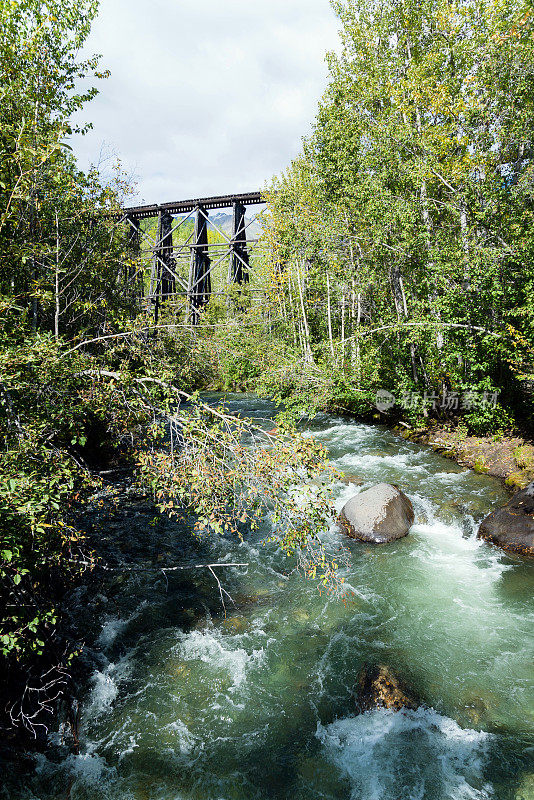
(206, 96)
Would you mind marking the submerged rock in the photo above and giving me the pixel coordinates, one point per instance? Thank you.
(378, 687)
(380, 514)
(475, 708)
(236, 624)
(512, 527)
(260, 597)
(351, 477)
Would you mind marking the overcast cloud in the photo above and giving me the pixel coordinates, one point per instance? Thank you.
(206, 97)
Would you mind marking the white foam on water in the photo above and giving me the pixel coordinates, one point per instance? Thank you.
(350, 433)
(113, 626)
(133, 744)
(89, 766)
(464, 557)
(87, 772)
(457, 583)
(390, 755)
(186, 741)
(451, 477)
(213, 649)
(106, 685)
(423, 507)
(370, 463)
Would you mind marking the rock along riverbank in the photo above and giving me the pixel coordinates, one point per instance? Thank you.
(510, 458)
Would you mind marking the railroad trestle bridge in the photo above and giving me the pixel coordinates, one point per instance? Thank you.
(183, 271)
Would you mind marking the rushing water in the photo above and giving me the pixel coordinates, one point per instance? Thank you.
(185, 703)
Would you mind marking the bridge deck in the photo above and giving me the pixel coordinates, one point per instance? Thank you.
(184, 206)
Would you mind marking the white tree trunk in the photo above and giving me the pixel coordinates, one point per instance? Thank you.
(305, 330)
(57, 306)
(329, 312)
(343, 326)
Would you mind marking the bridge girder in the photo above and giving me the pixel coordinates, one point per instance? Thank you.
(186, 206)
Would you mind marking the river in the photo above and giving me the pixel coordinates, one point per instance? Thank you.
(185, 704)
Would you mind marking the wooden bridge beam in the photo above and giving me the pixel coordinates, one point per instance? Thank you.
(167, 266)
(134, 276)
(199, 273)
(162, 280)
(133, 235)
(238, 270)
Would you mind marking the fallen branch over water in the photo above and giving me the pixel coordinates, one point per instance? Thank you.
(155, 568)
(117, 376)
(211, 567)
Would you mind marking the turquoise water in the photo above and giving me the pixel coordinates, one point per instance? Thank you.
(185, 704)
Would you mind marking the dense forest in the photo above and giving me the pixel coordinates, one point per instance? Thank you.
(406, 223)
(399, 258)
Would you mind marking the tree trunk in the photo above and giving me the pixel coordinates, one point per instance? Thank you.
(57, 307)
(293, 318)
(343, 326)
(308, 357)
(329, 313)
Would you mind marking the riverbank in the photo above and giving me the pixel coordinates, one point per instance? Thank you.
(510, 458)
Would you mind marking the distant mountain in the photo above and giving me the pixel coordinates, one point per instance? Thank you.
(224, 223)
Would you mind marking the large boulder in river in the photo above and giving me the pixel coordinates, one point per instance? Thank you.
(380, 514)
(378, 687)
(512, 527)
